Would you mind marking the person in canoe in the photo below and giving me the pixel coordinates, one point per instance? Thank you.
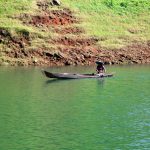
(100, 69)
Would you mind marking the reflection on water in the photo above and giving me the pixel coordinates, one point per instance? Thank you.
(52, 81)
(86, 114)
(101, 82)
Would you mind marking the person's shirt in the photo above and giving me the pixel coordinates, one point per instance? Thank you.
(100, 68)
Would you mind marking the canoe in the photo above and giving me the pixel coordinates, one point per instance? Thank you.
(74, 76)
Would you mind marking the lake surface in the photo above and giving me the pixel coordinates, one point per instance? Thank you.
(88, 114)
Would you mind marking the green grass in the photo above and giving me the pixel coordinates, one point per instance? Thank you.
(11, 7)
(118, 6)
(114, 19)
(118, 22)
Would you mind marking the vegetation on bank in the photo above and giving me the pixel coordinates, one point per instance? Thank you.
(117, 23)
(12, 8)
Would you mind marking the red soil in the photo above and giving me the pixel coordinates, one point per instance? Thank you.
(69, 30)
(53, 18)
(76, 42)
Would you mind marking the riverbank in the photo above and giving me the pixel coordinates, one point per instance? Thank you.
(49, 36)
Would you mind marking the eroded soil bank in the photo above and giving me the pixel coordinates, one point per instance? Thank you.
(69, 47)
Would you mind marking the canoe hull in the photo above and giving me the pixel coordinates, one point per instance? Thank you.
(74, 76)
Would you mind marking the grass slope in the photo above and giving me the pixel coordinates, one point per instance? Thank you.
(11, 8)
(117, 22)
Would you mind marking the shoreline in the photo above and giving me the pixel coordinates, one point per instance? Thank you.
(134, 54)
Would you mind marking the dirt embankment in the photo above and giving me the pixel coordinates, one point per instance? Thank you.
(71, 47)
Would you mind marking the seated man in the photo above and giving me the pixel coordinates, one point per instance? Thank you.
(100, 68)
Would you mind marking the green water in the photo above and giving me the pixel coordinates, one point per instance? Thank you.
(87, 114)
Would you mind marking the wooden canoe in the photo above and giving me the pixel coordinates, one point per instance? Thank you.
(74, 76)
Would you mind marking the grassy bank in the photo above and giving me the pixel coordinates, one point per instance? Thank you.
(32, 35)
(12, 8)
(117, 22)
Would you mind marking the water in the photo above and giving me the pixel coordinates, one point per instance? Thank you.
(88, 114)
